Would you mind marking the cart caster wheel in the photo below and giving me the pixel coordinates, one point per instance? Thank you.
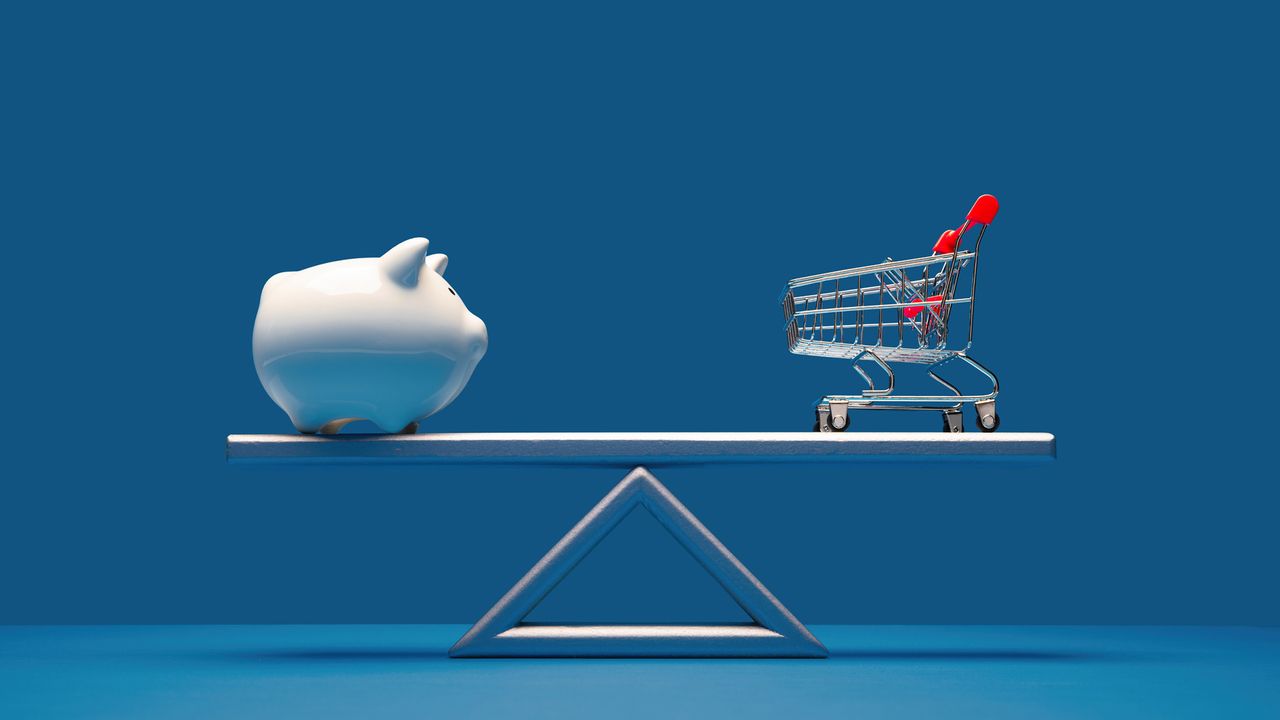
(952, 422)
(985, 413)
(824, 424)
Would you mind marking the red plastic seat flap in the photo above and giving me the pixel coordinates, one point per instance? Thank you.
(946, 243)
(911, 312)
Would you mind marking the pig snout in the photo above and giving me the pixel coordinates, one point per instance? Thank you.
(477, 335)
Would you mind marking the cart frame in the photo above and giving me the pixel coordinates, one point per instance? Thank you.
(917, 331)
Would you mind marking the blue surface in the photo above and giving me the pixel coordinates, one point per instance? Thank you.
(622, 193)
(402, 671)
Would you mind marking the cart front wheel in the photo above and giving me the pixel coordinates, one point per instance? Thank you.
(952, 421)
(989, 422)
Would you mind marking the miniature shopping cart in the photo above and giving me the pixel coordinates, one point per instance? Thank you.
(897, 311)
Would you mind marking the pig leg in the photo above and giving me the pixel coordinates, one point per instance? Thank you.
(305, 427)
(395, 424)
(310, 423)
(334, 426)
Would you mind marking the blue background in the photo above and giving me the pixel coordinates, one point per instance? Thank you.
(622, 193)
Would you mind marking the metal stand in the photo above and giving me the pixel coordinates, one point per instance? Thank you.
(776, 632)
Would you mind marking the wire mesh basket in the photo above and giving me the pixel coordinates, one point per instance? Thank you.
(897, 311)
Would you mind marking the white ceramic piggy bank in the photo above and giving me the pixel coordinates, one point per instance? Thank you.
(382, 339)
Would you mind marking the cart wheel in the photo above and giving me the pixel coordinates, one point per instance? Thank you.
(820, 426)
(952, 422)
(989, 423)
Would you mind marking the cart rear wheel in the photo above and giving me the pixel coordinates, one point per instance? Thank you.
(989, 423)
(824, 424)
(952, 421)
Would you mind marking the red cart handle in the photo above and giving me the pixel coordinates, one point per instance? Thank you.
(982, 213)
(984, 210)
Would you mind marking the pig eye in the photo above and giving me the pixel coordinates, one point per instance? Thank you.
(451, 292)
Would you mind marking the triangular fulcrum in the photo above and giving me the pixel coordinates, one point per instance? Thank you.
(775, 633)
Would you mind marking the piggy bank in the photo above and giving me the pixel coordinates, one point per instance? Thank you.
(383, 339)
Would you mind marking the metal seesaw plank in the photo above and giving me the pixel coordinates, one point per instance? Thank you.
(647, 448)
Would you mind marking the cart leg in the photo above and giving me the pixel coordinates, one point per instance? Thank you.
(871, 386)
(995, 381)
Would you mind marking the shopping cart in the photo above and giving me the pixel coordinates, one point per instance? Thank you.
(896, 311)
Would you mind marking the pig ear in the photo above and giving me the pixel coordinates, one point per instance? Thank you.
(437, 263)
(402, 262)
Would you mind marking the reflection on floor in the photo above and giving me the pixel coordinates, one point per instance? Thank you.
(376, 671)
